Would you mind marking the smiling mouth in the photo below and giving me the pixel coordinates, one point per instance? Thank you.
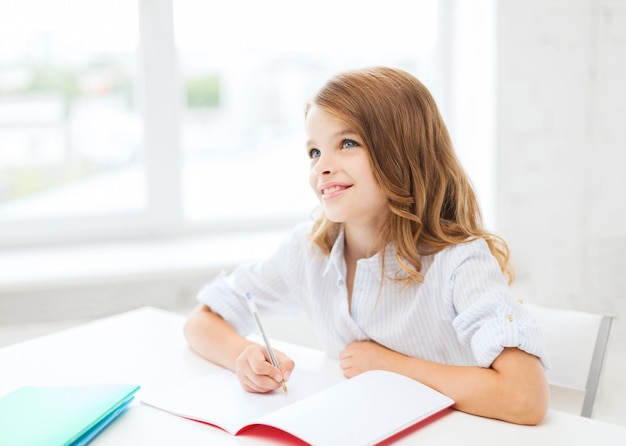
(332, 189)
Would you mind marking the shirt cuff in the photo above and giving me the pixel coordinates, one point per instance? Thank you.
(511, 326)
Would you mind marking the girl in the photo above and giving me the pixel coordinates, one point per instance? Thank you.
(396, 272)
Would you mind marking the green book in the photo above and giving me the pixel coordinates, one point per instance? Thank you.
(47, 415)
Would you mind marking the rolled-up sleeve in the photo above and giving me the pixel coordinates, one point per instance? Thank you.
(488, 317)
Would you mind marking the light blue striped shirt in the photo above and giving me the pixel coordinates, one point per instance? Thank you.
(462, 314)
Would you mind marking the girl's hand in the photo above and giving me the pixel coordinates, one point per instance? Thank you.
(257, 374)
(359, 357)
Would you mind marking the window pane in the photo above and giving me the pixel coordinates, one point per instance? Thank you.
(70, 130)
(247, 68)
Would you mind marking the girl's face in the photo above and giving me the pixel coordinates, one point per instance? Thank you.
(341, 173)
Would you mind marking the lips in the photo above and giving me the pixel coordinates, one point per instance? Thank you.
(333, 190)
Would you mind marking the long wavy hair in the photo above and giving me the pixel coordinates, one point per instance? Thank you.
(431, 200)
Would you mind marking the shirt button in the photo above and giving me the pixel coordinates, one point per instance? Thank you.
(509, 317)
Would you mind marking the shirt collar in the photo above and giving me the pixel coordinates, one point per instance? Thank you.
(335, 258)
(337, 262)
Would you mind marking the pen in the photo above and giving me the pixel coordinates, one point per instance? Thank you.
(270, 352)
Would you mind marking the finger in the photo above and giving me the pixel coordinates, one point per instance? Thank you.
(259, 362)
(259, 383)
(254, 381)
(348, 372)
(347, 351)
(286, 365)
(345, 361)
(266, 369)
(254, 372)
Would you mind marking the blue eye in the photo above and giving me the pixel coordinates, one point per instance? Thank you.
(314, 153)
(348, 143)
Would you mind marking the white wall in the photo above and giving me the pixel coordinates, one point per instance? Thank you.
(561, 145)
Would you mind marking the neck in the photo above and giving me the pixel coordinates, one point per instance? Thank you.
(361, 242)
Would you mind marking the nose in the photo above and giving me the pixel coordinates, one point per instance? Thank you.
(323, 165)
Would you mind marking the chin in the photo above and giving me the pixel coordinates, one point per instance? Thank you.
(334, 217)
(334, 220)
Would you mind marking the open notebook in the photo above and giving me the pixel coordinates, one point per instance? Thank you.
(317, 409)
(51, 416)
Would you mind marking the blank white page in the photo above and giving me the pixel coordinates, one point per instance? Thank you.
(363, 410)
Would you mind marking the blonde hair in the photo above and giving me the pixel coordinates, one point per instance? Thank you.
(431, 200)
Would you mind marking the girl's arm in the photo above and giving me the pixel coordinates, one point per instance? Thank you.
(216, 340)
(513, 389)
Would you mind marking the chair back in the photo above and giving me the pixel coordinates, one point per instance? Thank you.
(576, 342)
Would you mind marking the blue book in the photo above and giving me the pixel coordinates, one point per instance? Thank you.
(55, 415)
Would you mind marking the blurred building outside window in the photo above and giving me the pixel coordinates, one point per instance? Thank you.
(121, 118)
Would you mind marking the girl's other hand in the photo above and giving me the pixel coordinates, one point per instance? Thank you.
(359, 357)
(257, 374)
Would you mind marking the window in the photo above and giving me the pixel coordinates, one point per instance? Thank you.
(70, 126)
(248, 67)
(119, 119)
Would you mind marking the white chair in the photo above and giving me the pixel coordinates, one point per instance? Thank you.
(577, 344)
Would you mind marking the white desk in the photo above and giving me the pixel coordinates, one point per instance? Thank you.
(146, 346)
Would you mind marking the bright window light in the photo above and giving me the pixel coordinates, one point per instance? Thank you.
(70, 130)
(248, 67)
(153, 117)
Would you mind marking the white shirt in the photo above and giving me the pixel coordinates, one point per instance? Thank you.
(462, 314)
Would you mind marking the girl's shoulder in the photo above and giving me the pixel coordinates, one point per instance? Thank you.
(469, 247)
(455, 255)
